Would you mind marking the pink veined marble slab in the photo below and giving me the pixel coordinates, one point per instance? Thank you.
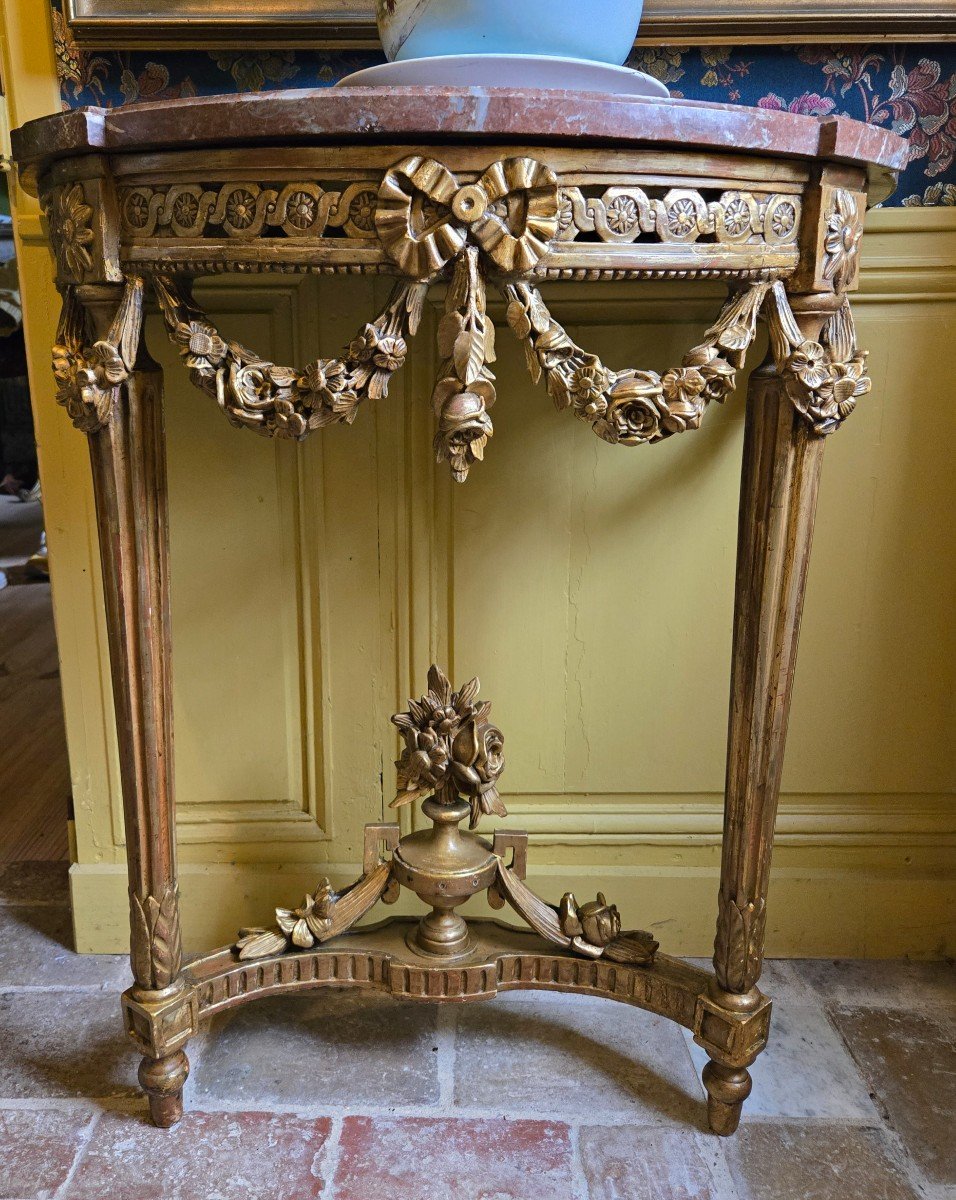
(424, 114)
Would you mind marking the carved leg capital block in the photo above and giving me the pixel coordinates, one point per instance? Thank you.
(159, 1023)
(733, 1038)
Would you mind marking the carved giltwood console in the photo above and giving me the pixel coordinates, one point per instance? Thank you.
(476, 189)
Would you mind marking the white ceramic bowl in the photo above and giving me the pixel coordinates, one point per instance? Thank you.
(602, 30)
(508, 71)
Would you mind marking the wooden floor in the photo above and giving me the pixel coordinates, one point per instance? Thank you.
(34, 771)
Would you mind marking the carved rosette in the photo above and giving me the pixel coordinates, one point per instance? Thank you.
(624, 214)
(842, 238)
(87, 376)
(71, 229)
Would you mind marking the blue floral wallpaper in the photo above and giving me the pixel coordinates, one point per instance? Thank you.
(911, 88)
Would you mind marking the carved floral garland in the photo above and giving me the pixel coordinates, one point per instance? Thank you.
(279, 401)
(630, 407)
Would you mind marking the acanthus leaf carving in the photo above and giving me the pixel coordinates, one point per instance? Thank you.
(156, 938)
(738, 948)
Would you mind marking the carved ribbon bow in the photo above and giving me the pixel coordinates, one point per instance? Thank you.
(424, 216)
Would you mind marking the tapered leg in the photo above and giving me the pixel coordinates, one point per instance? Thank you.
(781, 471)
(129, 479)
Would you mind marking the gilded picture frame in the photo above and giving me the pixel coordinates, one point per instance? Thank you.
(338, 24)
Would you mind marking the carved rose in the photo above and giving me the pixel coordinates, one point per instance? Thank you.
(464, 427)
(720, 377)
(477, 762)
(634, 410)
(683, 389)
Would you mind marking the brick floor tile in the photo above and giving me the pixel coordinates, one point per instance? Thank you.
(813, 1162)
(883, 983)
(581, 1059)
(36, 948)
(805, 1071)
(21, 882)
(59, 1044)
(207, 1156)
(416, 1158)
(624, 1162)
(910, 1065)
(37, 1149)
(327, 1048)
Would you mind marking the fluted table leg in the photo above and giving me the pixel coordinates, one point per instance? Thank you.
(781, 471)
(129, 479)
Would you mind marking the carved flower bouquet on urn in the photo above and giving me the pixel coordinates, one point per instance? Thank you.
(451, 761)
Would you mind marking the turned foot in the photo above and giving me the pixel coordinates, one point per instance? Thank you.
(162, 1079)
(727, 1089)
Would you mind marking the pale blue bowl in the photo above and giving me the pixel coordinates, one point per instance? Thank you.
(602, 30)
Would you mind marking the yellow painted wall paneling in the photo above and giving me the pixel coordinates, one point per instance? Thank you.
(589, 586)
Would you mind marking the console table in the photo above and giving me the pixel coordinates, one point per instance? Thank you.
(478, 188)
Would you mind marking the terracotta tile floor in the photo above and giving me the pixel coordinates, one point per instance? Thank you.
(336, 1096)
